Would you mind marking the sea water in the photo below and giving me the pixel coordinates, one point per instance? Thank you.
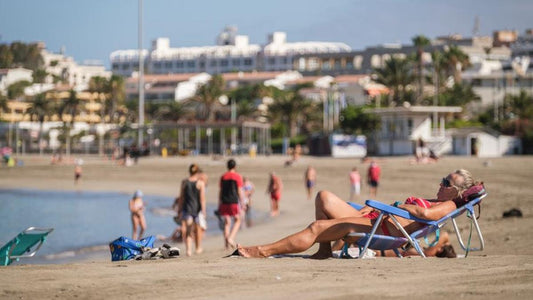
(83, 221)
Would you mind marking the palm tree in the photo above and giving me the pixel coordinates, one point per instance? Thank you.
(70, 107)
(290, 106)
(39, 110)
(396, 75)
(420, 43)
(208, 94)
(117, 94)
(456, 60)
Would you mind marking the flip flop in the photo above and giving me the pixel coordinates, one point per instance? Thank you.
(234, 254)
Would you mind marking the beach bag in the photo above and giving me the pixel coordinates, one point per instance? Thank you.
(125, 248)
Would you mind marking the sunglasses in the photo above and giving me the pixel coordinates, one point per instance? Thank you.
(446, 182)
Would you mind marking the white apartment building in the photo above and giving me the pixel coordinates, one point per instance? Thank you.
(10, 76)
(232, 53)
(65, 68)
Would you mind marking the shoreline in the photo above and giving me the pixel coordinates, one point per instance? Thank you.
(503, 270)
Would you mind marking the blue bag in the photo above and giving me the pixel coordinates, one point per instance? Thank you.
(125, 248)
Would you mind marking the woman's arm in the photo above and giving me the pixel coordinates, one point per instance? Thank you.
(433, 213)
(201, 187)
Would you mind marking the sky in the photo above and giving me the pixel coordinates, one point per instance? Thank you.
(91, 29)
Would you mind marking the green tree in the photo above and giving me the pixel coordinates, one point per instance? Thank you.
(39, 76)
(290, 107)
(16, 89)
(117, 95)
(354, 120)
(458, 95)
(420, 43)
(397, 76)
(521, 105)
(207, 96)
(38, 111)
(70, 107)
(456, 61)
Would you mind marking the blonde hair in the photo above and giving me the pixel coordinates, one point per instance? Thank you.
(468, 181)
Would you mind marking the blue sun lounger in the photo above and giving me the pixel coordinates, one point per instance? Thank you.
(383, 242)
(25, 244)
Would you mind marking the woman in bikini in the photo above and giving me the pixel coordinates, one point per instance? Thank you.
(137, 214)
(335, 219)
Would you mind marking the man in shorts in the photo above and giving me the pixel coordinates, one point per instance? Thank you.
(229, 197)
(374, 172)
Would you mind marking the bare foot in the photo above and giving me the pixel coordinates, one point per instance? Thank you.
(231, 244)
(250, 252)
(199, 251)
(189, 253)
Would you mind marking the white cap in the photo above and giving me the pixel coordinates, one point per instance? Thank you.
(137, 194)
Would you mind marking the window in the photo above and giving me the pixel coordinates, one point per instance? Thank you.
(284, 60)
(213, 63)
(375, 61)
(157, 65)
(236, 62)
(115, 66)
(312, 64)
(224, 63)
(179, 64)
(337, 64)
(358, 62)
(168, 65)
(247, 61)
(272, 61)
(326, 65)
(191, 64)
(125, 66)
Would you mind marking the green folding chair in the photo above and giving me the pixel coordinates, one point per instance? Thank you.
(25, 244)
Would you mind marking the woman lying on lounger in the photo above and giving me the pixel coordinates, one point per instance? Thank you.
(335, 219)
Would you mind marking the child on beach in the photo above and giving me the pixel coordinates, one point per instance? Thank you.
(355, 183)
(274, 188)
(310, 181)
(248, 190)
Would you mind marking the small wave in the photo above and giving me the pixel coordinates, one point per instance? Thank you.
(163, 211)
(76, 252)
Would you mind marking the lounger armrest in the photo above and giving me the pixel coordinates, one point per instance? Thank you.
(389, 209)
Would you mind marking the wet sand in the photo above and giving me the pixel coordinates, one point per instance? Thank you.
(503, 270)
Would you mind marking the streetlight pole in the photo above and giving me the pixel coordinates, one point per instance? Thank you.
(141, 78)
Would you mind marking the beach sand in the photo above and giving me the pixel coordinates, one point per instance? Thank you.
(503, 270)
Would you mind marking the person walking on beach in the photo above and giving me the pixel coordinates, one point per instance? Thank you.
(274, 188)
(355, 183)
(77, 173)
(229, 197)
(374, 172)
(248, 190)
(310, 181)
(192, 210)
(137, 215)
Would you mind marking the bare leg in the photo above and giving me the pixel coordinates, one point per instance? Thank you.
(329, 206)
(186, 226)
(142, 222)
(227, 225)
(234, 230)
(134, 223)
(319, 231)
(198, 238)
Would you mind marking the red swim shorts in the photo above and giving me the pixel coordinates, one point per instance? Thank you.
(231, 209)
(275, 196)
